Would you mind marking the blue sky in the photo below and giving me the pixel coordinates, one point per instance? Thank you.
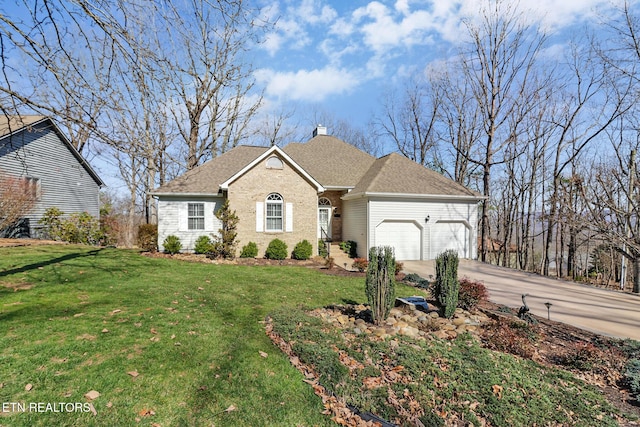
(343, 55)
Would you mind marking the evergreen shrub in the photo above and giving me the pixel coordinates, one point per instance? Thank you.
(250, 250)
(380, 282)
(172, 244)
(277, 249)
(446, 286)
(302, 251)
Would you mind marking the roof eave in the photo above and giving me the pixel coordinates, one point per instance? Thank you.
(169, 194)
(460, 197)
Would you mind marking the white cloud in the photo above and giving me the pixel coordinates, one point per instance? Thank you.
(308, 85)
(295, 23)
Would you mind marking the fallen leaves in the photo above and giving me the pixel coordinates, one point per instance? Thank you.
(145, 412)
(28, 387)
(133, 374)
(92, 395)
(231, 408)
(497, 390)
(263, 354)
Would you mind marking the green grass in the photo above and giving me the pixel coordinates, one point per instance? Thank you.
(193, 332)
(456, 378)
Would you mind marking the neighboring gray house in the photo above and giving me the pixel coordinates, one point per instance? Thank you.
(323, 188)
(33, 148)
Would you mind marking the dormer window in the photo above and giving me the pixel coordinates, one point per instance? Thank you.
(274, 163)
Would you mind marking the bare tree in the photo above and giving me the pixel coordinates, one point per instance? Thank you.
(411, 121)
(498, 65)
(17, 197)
(613, 202)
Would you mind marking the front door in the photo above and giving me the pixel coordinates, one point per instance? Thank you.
(324, 222)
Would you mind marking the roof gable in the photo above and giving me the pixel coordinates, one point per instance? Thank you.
(396, 174)
(11, 126)
(207, 178)
(221, 171)
(270, 151)
(331, 161)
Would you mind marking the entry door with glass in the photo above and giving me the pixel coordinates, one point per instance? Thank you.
(324, 218)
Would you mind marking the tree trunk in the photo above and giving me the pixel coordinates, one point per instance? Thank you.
(636, 275)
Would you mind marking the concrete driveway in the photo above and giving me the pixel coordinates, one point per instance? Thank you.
(598, 310)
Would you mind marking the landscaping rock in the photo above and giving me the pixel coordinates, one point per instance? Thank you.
(413, 324)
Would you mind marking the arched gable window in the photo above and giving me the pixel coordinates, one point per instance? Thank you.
(274, 204)
(274, 162)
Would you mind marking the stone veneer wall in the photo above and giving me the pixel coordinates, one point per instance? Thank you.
(254, 186)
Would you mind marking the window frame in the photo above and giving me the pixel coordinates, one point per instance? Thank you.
(274, 201)
(33, 187)
(195, 217)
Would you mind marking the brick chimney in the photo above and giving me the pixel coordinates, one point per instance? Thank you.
(319, 130)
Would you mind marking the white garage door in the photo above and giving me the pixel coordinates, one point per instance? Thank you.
(403, 236)
(449, 235)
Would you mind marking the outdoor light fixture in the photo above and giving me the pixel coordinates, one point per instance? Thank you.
(548, 304)
(427, 218)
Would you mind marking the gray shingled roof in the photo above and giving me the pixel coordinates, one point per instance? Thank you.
(206, 178)
(331, 161)
(394, 173)
(12, 124)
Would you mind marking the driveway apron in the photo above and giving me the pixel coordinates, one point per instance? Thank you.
(605, 312)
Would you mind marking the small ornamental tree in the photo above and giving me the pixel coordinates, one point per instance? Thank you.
(380, 282)
(446, 286)
(17, 197)
(225, 244)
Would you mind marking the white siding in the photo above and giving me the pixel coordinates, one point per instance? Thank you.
(172, 219)
(400, 209)
(64, 181)
(354, 224)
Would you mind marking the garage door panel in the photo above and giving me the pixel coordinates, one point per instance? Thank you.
(449, 236)
(404, 236)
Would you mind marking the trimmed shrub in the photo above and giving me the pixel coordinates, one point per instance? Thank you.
(417, 281)
(360, 264)
(446, 286)
(77, 228)
(632, 377)
(148, 237)
(172, 244)
(471, 293)
(52, 223)
(277, 249)
(322, 248)
(353, 249)
(203, 245)
(350, 247)
(302, 251)
(380, 283)
(250, 250)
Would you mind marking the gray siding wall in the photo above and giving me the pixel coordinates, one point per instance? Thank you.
(64, 182)
(354, 224)
(173, 215)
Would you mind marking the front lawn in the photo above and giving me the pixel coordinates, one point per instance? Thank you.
(164, 342)
(173, 343)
